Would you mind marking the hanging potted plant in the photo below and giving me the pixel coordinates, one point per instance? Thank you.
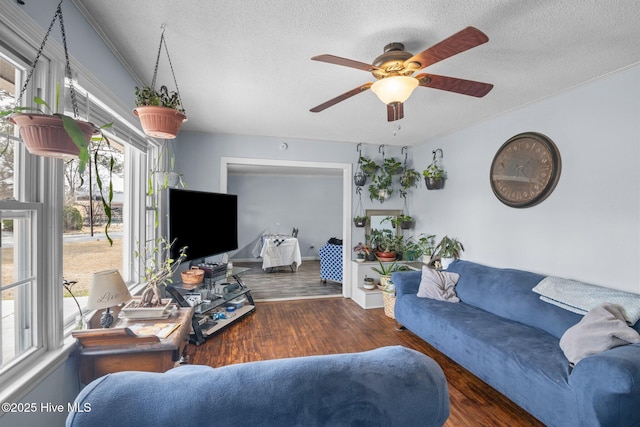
(369, 167)
(48, 133)
(360, 219)
(160, 111)
(359, 178)
(163, 176)
(409, 178)
(434, 174)
(434, 177)
(392, 166)
(381, 187)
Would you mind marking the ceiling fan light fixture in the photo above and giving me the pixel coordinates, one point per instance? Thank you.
(394, 88)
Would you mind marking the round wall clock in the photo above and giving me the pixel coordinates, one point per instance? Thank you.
(525, 170)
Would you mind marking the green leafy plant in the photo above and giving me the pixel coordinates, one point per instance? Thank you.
(361, 250)
(387, 270)
(409, 178)
(381, 187)
(392, 166)
(427, 244)
(146, 96)
(398, 220)
(360, 221)
(434, 171)
(368, 166)
(449, 248)
(382, 240)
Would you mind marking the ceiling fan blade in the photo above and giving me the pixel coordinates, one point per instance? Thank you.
(341, 98)
(395, 111)
(332, 59)
(454, 84)
(463, 40)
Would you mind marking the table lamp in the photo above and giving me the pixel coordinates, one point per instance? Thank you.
(107, 290)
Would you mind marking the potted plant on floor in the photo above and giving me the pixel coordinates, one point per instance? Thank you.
(387, 286)
(448, 249)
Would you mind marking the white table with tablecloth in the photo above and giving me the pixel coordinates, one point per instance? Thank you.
(280, 251)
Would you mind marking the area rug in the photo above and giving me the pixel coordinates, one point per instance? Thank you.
(282, 284)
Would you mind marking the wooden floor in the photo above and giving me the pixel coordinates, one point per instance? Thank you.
(338, 325)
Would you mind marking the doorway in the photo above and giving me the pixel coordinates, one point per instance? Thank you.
(292, 167)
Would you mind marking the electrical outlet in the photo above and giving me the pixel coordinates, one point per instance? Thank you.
(311, 247)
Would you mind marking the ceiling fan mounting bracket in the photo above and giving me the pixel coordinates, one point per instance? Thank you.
(392, 62)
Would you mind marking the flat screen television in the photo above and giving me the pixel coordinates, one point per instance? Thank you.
(207, 223)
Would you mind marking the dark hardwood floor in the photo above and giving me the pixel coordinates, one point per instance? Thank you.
(337, 325)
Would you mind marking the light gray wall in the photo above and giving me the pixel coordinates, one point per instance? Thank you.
(588, 229)
(198, 158)
(277, 203)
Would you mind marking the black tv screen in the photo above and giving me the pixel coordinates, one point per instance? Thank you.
(207, 223)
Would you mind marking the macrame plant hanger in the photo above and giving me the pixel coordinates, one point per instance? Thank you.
(359, 178)
(67, 68)
(155, 70)
(359, 219)
(403, 192)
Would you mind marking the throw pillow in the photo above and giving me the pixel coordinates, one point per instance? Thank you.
(602, 328)
(439, 285)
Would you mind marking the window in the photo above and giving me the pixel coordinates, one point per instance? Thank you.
(36, 251)
(22, 309)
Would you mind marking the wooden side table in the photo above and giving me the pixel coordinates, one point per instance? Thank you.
(103, 351)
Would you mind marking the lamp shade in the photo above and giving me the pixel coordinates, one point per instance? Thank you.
(395, 88)
(107, 290)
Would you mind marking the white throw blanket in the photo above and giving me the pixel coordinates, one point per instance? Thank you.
(602, 328)
(581, 297)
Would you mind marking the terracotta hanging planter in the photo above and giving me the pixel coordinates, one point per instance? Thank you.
(45, 135)
(160, 122)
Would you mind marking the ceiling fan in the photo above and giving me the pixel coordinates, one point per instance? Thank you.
(394, 68)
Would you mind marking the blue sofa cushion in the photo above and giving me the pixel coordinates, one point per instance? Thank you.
(508, 293)
(389, 386)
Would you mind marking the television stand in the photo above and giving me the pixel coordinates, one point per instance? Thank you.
(218, 292)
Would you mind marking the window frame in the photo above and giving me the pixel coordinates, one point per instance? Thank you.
(39, 182)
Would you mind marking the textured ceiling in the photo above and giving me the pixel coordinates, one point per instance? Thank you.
(243, 67)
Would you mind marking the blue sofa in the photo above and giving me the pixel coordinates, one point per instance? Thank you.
(389, 386)
(503, 333)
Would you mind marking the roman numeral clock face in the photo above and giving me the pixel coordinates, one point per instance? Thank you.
(525, 170)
